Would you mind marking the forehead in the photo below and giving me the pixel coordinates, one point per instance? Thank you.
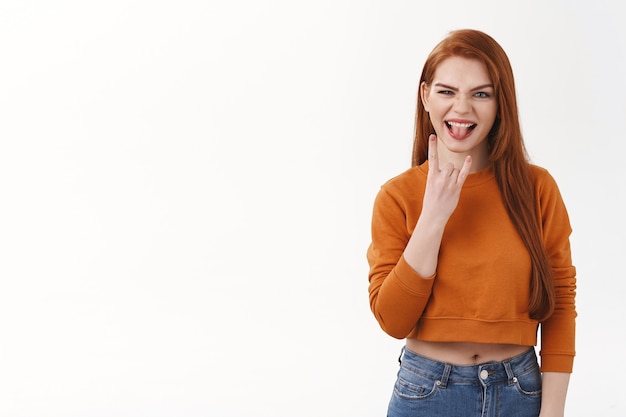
(462, 72)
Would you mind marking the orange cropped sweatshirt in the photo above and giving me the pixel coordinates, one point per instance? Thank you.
(481, 289)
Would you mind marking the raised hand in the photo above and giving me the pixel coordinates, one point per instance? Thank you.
(443, 185)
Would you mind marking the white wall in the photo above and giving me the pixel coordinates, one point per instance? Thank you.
(186, 188)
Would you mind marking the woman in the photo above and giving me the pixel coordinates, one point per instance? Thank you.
(470, 251)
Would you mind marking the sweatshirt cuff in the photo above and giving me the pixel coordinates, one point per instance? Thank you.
(411, 280)
(557, 363)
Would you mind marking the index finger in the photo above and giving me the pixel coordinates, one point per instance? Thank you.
(433, 163)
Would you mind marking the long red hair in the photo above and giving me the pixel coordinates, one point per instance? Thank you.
(507, 153)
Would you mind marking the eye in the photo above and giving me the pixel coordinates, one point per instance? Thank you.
(482, 94)
(445, 92)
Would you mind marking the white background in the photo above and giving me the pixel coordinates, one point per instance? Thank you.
(186, 190)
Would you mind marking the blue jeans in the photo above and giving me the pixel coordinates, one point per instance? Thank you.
(428, 388)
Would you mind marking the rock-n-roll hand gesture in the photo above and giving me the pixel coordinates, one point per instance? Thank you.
(444, 183)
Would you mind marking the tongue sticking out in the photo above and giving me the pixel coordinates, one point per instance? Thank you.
(460, 130)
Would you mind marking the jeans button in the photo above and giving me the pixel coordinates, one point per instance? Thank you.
(484, 374)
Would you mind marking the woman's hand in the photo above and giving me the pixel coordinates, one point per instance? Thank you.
(443, 185)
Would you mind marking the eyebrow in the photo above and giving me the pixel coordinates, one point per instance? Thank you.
(480, 87)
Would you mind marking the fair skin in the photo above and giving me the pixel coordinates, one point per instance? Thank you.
(462, 107)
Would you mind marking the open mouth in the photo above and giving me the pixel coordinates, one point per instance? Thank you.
(460, 130)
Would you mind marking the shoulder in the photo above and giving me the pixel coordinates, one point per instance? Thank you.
(538, 171)
(547, 191)
(408, 179)
(404, 190)
(542, 177)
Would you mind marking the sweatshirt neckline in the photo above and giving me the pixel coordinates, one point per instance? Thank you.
(474, 179)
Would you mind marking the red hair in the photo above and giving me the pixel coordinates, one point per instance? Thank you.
(507, 153)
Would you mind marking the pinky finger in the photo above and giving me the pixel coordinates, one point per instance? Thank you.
(465, 170)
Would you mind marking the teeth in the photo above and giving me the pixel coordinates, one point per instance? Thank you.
(455, 124)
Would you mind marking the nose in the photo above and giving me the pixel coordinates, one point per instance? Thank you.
(462, 103)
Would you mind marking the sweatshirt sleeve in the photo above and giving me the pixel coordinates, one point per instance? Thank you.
(558, 332)
(397, 294)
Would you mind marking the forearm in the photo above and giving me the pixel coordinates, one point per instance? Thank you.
(554, 392)
(422, 250)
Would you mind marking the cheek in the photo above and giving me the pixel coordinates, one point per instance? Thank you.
(492, 113)
(435, 125)
(436, 115)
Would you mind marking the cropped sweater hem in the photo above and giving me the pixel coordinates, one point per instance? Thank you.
(442, 329)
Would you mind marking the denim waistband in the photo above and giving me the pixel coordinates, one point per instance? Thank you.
(485, 373)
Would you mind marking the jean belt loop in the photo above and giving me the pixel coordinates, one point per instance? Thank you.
(401, 355)
(509, 372)
(446, 376)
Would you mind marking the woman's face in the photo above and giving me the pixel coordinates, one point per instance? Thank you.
(462, 106)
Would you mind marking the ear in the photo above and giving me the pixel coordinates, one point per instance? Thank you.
(424, 90)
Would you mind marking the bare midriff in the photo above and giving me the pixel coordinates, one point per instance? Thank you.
(462, 353)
